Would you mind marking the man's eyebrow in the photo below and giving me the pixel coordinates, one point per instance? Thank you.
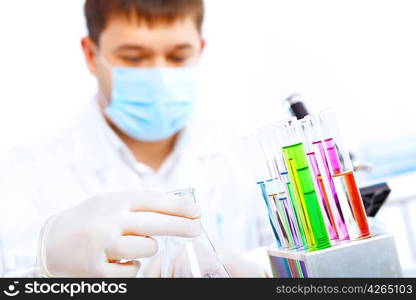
(184, 46)
(131, 47)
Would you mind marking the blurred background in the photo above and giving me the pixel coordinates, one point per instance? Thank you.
(355, 56)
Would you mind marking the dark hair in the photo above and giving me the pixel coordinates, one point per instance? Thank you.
(98, 12)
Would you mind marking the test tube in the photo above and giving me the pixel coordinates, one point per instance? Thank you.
(276, 192)
(276, 197)
(262, 175)
(343, 175)
(279, 195)
(287, 198)
(318, 176)
(272, 214)
(338, 204)
(296, 210)
(303, 186)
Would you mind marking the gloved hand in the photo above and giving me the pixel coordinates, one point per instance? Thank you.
(90, 239)
(209, 263)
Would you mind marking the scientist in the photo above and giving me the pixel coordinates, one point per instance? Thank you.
(92, 201)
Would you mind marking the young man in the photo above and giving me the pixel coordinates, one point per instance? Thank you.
(92, 201)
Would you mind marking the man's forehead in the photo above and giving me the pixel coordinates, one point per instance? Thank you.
(135, 25)
(122, 31)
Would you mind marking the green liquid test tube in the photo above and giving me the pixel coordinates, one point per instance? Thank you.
(302, 184)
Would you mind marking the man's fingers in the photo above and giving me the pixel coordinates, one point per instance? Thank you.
(154, 224)
(150, 201)
(132, 247)
(121, 270)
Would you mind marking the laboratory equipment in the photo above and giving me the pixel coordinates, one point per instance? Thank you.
(309, 159)
(318, 176)
(278, 170)
(295, 157)
(277, 233)
(261, 174)
(333, 206)
(279, 203)
(342, 174)
(191, 257)
(277, 189)
(361, 258)
(296, 105)
(374, 197)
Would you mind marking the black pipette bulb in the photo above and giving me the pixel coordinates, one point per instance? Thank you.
(296, 106)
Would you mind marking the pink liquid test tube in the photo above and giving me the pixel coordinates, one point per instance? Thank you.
(328, 216)
(337, 210)
(323, 178)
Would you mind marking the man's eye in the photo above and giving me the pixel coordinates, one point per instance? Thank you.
(178, 59)
(132, 59)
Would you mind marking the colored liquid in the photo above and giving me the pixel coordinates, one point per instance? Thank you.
(288, 268)
(328, 217)
(277, 195)
(349, 184)
(303, 217)
(333, 156)
(305, 195)
(283, 221)
(292, 221)
(279, 212)
(297, 216)
(272, 218)
(300, 240)
(332, 196)
(342, 192)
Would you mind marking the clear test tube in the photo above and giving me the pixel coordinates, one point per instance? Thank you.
(342, 172)
(276, 194)
(275, 197)
(300, 176)
(287, 195)
(278, 235)
(318, 175)
(262, 175)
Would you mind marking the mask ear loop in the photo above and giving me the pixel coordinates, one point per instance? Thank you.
(103, 101)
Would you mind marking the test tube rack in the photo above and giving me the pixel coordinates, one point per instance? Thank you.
(373, 257)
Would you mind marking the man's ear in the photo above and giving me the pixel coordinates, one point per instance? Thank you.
(203, 44)
(90, 53)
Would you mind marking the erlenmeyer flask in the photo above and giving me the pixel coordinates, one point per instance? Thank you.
(191, 257)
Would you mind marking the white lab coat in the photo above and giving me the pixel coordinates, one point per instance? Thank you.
(87, 159)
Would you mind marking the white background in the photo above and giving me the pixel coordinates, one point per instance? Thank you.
(356, 56)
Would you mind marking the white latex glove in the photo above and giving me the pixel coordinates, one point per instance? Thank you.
(236, 265)
(90, 239)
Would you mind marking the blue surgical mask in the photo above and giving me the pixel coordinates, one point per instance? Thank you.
(152, 104)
